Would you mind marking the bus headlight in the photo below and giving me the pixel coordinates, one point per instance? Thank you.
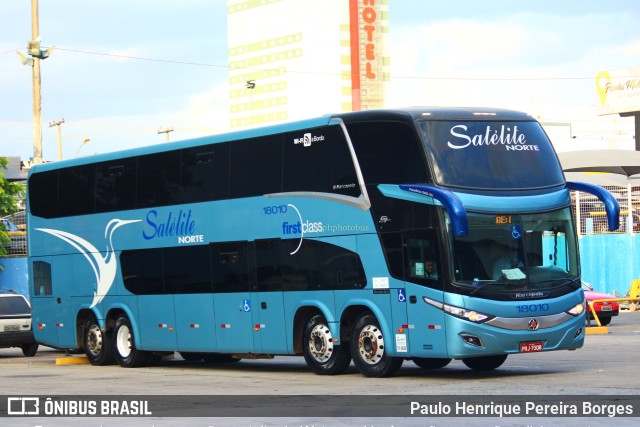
(462, 313)
(577, 310)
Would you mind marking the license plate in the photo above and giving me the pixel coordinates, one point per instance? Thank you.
(530, 346)
(605, 308)
(11, 328)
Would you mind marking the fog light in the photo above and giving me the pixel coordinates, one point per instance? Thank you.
(578, 333)
(472, 340)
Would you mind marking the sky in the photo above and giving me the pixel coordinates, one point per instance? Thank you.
(122, 70)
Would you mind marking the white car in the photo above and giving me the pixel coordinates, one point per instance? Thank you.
(15, 323)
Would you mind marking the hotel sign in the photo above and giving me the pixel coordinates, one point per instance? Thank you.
(366, 32)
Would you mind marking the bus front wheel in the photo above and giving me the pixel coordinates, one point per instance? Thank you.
(98, 346)
(368, 349)
(127, 355)
(320, 353)
(485, 363)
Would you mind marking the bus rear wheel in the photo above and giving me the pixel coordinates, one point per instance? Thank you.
(126, 353)
(98, 346)
(320, 353)
(485, 363)
(368, 349)
(431, 363)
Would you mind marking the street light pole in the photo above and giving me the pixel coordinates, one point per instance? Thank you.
(84, 141)
(251, 85)
(58, 123)
(166, 132)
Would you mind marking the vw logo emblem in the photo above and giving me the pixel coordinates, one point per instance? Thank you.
(533, 324)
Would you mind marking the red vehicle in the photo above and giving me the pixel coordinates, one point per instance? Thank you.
(604, 310)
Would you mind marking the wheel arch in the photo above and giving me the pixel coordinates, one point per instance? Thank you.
(81, 322)
(303, 314)
(117, 311)
(351, 313)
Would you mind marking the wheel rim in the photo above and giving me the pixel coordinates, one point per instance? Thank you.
(123, 341)
(321, 343)
(371, 344)
(94, 340)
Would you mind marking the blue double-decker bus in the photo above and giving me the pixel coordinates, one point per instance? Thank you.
(423, 234)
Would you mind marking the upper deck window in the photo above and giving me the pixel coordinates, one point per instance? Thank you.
(491, 154)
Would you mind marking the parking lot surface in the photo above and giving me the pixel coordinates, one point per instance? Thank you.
(605, 366)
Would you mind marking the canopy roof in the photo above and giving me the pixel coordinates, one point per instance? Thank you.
(602, 167)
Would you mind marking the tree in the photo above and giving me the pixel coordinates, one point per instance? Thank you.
(10, 193)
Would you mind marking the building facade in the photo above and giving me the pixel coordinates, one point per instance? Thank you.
(293, 59)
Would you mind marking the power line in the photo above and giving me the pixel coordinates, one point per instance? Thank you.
(435, 78)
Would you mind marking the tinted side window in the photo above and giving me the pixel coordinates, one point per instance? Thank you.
(229, 267)
(267, 270)
(392, 245)
(41, 278)
(205, 173)
(115, 189)
(340, 268)
(77, 195)
(388, 153)
(394, 214)
(158, 179)
(187, 270)
(316, 265)
(256, 166)
(142, 271)
(319, 160)
(422, 256)
(43, 194)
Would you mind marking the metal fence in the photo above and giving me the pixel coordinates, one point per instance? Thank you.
(590, 213)
(16, 227)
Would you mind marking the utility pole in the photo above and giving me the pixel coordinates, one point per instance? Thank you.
(166, 132)
(58, 123)
(37, 96)
(36, 54)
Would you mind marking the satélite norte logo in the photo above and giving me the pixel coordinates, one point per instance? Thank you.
(509, 137)
(307, 139)
(180, 225)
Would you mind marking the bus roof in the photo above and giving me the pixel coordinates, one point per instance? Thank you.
(406, 114)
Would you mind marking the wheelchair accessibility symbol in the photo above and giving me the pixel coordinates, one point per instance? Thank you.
(516, 232)
(402, 297)
(246, 305)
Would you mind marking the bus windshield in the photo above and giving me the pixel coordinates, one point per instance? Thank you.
(491, 154)
(516, 252)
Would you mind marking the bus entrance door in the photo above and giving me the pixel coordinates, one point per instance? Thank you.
(427, 336)
(232, 302)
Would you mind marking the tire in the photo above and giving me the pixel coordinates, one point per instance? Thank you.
(431, 363)
(485, 363)
(124, 345)
(604, 321)
(29, 350)
(98, 345)
(368, 349)
(320, 353)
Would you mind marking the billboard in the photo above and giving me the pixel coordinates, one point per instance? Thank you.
(618, 91)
